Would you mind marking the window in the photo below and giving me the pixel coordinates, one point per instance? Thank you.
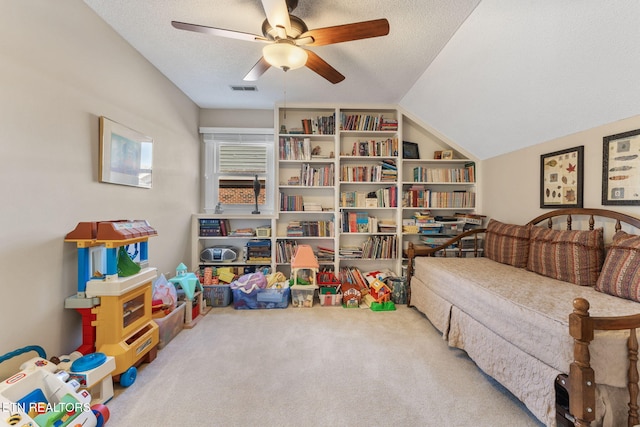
(233, 158)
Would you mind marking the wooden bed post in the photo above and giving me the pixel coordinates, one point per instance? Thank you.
(411, 253)
(581, 376)
(632, 376)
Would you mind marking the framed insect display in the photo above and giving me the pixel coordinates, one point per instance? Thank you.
(621, 169)
(561, 178)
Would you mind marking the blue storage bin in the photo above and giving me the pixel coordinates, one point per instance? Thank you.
(261, 298)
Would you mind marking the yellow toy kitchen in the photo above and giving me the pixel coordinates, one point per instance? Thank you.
(114, 293)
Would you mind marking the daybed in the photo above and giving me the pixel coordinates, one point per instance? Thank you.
(509, 306)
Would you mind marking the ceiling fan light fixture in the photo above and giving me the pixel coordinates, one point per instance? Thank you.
(285, 55)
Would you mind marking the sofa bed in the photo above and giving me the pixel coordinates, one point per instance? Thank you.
(543, 304)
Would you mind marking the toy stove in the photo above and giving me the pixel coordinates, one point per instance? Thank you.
(116, 310)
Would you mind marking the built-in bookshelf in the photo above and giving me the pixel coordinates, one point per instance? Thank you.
(340, 164)
(247, 237)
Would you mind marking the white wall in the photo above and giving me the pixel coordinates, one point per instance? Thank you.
(62, 68)
(518, 73)
(511, 182)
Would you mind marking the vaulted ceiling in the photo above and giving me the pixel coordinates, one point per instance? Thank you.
(492, 75)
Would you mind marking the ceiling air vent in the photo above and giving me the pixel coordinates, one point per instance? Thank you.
(244, 88)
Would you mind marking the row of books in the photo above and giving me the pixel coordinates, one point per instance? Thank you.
(420, 197)
(381, 198)
(320, 125)
(387, 147)
(380, 247)
(317, 176)
(375, 247)
(353, 276)
(361, 222)
(358, 222)
(466, 174)
(214, 227)
(292, 148)
(385, 171)
(367, 122)
(318, 228)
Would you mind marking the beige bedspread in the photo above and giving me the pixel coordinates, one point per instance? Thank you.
(527, 316)
(529, 310)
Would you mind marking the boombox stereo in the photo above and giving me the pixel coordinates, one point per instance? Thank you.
(219, 253)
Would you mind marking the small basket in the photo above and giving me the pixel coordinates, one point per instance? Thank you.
(410, 229)
(327, 278)
(263, 231)
(217, 295)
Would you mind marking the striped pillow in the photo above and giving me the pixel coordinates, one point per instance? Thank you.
(621, 271)
(569, 255)
(507, 243)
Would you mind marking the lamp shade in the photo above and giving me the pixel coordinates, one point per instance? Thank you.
(304, 258)
(284, 55)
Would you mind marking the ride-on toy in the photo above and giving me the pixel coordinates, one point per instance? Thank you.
(41, 395)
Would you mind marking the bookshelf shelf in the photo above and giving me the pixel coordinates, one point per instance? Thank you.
(361, 140)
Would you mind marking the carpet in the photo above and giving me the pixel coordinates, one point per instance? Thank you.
(319, 366)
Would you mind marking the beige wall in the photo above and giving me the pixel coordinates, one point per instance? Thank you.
(236, 118)
(511, 182)
(62, 68)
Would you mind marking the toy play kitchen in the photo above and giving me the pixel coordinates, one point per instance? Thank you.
(114, 293)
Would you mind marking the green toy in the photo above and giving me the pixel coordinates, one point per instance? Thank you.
(383, 306)
(126, 266)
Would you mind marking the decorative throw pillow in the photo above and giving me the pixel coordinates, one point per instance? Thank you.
(569, 255)
(620, 274)
(507, 243)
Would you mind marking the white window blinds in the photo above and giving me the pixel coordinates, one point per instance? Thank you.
(237, 153)
(247, 158)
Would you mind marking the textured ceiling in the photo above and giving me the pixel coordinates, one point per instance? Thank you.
(377, 70)
(492, 76)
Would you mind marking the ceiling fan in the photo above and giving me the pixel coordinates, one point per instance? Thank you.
(284, 34)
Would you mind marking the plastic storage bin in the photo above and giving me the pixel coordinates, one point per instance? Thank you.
(302, 295)
(329, 296)
(261, 298)
(171, 324)
(217, 295)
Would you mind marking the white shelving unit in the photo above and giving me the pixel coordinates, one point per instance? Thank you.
(319, 163)
(306, 175)
(449, 188)
(201, 239)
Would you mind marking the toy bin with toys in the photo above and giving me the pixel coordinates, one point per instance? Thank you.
(43, 395)
(257, 291)
(217, 295)
(329, 296)
(302, 295)
(170, 324)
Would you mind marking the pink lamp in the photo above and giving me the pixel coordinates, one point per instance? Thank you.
(304, 259)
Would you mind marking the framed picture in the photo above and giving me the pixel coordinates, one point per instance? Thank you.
(447, 155)
(410, 150)
(125, 155)
(561, 178)
(437, 155)
(621, 169)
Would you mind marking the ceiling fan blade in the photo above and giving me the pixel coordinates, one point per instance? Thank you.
(218, 32)
(277, 14)
(348, 32)
(258, 69)
(320, 66)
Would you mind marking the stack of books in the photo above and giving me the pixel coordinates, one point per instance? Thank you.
(312, 206)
